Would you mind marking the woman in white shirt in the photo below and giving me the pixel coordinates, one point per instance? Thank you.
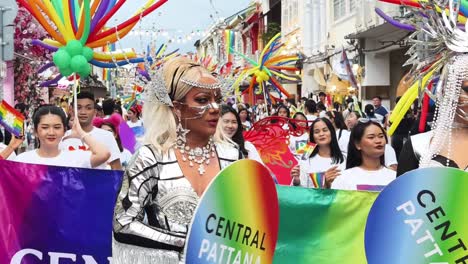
(365, 164)
(301, 128)
(49, 128)
(326, 159)
(245, 118)
(230, 130)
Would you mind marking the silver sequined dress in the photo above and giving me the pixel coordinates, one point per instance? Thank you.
(155, 207)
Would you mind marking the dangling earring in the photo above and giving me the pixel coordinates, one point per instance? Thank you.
(181, 132)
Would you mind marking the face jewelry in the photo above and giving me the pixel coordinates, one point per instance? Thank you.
(198, 155)
(199, 111)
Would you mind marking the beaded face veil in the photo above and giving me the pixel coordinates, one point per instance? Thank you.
(159, 93)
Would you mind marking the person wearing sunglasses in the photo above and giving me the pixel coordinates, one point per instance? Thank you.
(446, 144)
(365, 163)
(326, 158)
(165, 178)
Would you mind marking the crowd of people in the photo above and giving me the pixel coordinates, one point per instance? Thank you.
(191, 133)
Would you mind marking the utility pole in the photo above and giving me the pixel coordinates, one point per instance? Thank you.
(8, 12)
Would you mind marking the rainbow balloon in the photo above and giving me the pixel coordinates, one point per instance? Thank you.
(232, 228)
(81, 28)
(269, 67)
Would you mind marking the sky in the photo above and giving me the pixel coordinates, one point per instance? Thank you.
(177, 19)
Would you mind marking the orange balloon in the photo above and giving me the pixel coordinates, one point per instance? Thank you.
(111, 38)
(44, 23)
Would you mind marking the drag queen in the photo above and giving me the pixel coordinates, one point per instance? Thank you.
(165, 178)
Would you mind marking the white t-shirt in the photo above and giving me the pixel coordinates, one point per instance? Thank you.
(247, 125)
(316, 164)
(77, 159)
(136, 124)
(102, 136)
(295, 143)
(390, 156)
(359, 179)
(343, 141)
(12, 155)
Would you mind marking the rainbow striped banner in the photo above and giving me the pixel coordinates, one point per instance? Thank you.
(11, 119)
(318, 179)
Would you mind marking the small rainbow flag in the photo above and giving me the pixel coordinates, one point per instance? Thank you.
(318, 179)
(11, 119)
(305, 150)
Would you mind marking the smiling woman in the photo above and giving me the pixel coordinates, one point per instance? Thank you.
(49, 127)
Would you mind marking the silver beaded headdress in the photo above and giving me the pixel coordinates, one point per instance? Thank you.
(439, 40)
(155, 90)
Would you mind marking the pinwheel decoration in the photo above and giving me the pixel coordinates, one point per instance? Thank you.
(269, 67)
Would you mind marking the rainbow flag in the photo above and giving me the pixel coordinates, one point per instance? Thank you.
(305, 150)
(322, 225)
(11, 119)
(106, 73)
(318, 179)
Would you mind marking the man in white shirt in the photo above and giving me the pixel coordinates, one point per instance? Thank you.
(86, 113)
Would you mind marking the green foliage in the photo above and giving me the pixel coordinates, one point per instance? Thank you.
(272, 29)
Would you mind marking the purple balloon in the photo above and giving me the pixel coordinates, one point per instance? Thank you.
(394, 22)
(42, 44)
(50, 82)
(99, 14)
(127, 137)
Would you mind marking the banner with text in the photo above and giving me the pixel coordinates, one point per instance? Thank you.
(56, 214)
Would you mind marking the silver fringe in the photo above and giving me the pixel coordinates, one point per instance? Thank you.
(129, 254)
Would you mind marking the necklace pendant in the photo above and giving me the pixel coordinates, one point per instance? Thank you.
(201, 169)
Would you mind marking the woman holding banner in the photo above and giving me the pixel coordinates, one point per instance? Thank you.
(326, 161)
(165, 178)
(365, 163)
(50, 125)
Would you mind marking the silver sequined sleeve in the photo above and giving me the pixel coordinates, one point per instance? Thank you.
(140, 186)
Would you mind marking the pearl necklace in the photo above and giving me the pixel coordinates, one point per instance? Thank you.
(198, 155)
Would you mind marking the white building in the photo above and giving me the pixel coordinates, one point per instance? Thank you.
(321, 28)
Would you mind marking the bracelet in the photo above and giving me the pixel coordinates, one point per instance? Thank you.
(85, 135)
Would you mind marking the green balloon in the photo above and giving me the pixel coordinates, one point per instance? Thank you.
(88, 53)
(78, 63)
(74, 48)
(85, 73)
(66, 71)
(61, 59)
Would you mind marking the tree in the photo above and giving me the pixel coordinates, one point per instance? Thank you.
(273, 28)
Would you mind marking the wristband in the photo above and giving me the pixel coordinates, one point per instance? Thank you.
(85, 135)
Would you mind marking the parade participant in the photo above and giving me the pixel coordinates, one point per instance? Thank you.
(230, 130)
(112, 125)
(365, 163)
(166, 177)
(296, 142)
(326, 157)
(245, 119)
(446, 144)
(352, 119)
(342, 133)
(49, 128)
(86, 113)
(310, 110)
(261, 110)
(380, 111)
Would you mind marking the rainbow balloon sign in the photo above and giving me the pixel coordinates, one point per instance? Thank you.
(422, 217)
(237, 218)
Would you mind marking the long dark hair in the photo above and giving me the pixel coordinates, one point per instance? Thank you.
(337, 156)
(354, 158)
(117, 136)
(337, 119)
(238, 137)
(247, 111)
